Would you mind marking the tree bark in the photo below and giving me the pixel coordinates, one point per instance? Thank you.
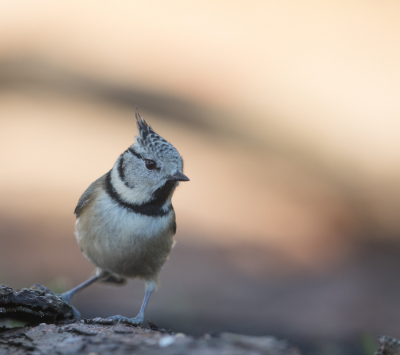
(33, 305)
(54, 331)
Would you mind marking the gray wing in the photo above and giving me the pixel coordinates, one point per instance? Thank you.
(87, 195)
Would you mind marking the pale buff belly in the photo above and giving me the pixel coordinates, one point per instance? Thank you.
(124, 243)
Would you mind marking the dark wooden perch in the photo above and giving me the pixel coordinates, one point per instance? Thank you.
(388, 346)
(33, 306)
(54, 331)
(85, 337)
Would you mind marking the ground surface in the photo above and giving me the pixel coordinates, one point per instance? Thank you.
(102, 335)
(99, 336)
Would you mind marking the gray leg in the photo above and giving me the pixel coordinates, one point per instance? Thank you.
(66, 296)
(138, 320)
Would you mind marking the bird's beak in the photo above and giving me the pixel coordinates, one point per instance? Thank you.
(178, 176)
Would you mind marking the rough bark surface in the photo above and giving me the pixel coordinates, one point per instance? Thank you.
(59, 333)
(100, 336)
(33, 306)
(388, 346)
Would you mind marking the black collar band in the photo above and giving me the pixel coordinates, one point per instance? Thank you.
(152, 208)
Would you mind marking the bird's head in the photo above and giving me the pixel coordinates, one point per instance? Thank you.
(151, 163)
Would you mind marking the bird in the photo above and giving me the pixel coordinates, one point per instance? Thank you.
(125, 221)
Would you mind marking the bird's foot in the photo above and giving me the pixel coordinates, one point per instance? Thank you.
(66, 297)
(138, 320)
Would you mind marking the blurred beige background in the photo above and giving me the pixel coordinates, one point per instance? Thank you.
(287, 115)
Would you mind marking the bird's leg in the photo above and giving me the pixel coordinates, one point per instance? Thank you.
(138, 320)
(66, 296)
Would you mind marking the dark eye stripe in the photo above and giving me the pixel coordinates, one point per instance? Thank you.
(137, 155)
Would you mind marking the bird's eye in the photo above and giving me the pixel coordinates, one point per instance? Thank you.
(150, 164)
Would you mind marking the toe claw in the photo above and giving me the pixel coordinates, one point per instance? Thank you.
(77, 314)
(66, 297)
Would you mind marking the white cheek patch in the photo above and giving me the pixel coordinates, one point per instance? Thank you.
(137, 195)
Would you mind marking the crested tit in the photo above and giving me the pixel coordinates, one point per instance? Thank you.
(125, 219)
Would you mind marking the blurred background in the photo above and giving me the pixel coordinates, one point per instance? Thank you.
(287, 115)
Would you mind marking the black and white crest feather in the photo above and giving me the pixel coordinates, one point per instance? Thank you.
(143, 127)
(150, 140)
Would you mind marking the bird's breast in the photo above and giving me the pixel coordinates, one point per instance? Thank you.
(124, 242)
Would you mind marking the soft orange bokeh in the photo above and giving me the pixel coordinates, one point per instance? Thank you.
(290, 134)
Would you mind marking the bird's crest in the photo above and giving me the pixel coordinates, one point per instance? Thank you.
(150, 139)
(143, 127)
